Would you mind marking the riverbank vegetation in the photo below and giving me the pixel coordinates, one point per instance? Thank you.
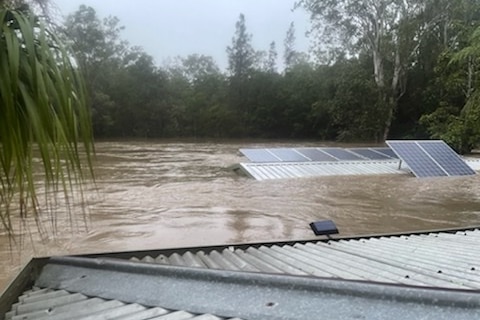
(382, 69)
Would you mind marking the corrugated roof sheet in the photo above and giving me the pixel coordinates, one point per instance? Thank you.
(285, 170)
(474, 163)
(448, 260)
(53, 304)
(267, 171)
(248, 295)
(282, 281)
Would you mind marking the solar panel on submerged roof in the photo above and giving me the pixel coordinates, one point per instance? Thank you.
(288, 155)
(259, 155)
(448, 159)
(430, 158)
(341, 154)
(386, 151)
(418, 161)
(369, 154)
(315, 154)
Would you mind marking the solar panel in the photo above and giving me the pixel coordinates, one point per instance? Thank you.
(288, 155)
(430, 158)
(259, 155)
(341, 154)
(386, 151)
(421, 164)
(448, 159)
(369, 154)
(315, 154)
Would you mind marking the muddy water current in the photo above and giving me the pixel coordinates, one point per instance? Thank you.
(157, 194)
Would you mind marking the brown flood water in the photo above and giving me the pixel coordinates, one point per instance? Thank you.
(154, 194)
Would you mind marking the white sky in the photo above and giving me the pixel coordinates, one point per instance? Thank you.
(169, 28)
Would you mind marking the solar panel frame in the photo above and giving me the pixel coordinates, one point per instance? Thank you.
(446, 157)
(419, 162)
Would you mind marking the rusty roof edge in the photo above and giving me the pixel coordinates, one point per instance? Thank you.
(251, 295)
(142, 253)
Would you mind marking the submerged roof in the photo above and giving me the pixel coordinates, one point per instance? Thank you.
(420, 157)
(373, 277)
(287, 170)
(284, 170)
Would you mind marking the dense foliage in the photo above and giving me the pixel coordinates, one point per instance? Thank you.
(389, 69)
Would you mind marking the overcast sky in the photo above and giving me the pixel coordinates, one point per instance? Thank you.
(169, 28)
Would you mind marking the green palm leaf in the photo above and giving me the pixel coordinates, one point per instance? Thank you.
(42, 113)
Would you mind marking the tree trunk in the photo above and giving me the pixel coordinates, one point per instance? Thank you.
(378, 69)
(395, 93)
(391, 106)
(470, 77)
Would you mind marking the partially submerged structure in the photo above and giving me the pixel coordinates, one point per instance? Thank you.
(426, 158)
(430, 275)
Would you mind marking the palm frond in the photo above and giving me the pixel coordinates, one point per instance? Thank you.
(43, 111)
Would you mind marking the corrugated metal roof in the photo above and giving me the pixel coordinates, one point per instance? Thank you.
(448, 260)
(267, 171)
(51, 304)
(474, 163)
(247, 295)
(285, 170)
(374, 277)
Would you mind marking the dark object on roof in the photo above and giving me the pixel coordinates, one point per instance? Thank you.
(324, 227)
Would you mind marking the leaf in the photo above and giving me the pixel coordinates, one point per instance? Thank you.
(43, 111)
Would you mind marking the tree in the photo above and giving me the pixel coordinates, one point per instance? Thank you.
(43, 113)
(138, 95)
(390, 31)
(459, 125)
(353, 106)
(198, 83)
(102, 55)
(289, 47)
(452, 92)
(94, 41)
(271, 63)
(241, 55)
(241, 59)
(195, 67)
